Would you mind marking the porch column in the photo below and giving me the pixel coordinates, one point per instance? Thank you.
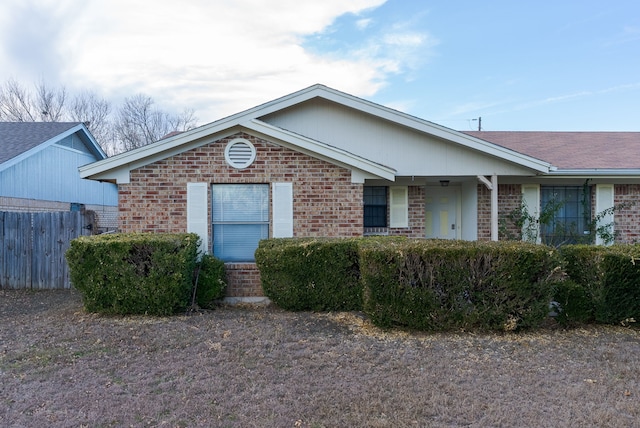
(493, 186)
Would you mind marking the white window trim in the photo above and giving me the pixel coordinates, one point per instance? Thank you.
(605, 199)
(282, 200)
(398, 206)
(531, 200)
(198, 213)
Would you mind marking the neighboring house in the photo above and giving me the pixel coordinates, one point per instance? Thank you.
(39, 171)
(320, 162)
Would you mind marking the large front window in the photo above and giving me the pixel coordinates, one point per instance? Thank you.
(565, 214)
(240, 217)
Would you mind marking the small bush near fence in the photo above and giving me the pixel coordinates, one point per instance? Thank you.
(311, 273)
(140, 273)
(603, 285)
(445, 285)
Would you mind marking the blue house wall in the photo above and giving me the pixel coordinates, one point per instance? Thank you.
(51, 174)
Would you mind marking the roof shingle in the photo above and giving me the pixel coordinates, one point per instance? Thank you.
(19, 137)
(572, 150)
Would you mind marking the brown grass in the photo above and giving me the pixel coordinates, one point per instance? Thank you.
(263, 367)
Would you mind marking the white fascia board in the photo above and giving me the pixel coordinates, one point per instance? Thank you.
(321, 150)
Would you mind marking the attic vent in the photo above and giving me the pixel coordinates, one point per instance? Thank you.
(240, 153)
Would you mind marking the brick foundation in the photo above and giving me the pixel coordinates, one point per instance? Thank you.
(243, 280)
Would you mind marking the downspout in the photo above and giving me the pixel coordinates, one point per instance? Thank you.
(493, 187)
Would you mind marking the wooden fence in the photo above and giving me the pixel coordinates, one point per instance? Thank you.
(34, 245)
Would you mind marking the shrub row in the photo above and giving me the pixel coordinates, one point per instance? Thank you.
(445, 285)
(603, 284)
(141, 273)
(420, 284)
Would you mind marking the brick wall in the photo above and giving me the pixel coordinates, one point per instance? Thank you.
(627, 220)
(509, 199)
(326, 203)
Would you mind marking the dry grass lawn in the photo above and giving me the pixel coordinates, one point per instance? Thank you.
(263, 367)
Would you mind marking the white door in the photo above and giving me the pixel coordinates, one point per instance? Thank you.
(441, 212)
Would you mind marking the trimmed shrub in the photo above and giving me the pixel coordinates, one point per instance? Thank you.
(438, 285)
(610, 281)
(138, 273)
(575, 303)
(310, 273)
(211, 281)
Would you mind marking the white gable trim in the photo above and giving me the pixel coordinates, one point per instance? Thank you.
(202, 135)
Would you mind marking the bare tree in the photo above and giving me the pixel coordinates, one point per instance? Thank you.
(49, 103)
(95, 112)
(138, 123)
(18, 104)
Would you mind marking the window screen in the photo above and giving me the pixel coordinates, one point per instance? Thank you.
(240, 217)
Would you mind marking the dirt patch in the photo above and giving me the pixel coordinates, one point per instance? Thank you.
(263, 367)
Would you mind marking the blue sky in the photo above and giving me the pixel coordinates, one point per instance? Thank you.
(556, 65)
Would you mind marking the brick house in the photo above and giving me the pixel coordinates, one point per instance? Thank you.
(320, 162)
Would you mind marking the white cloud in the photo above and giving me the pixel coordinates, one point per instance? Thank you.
(216, 57)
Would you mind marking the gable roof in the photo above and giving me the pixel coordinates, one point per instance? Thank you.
(18, 139)
(117, 167)
(572, 150)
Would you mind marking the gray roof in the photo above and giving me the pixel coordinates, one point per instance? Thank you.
(19, 137)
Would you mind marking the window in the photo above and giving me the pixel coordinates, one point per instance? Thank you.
(565, 213)
(375, 206)
(240, 217)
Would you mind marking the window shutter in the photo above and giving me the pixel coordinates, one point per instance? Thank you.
(282, 210)
(531, 201)
(604, 200)
(399, 206)
(197, 210)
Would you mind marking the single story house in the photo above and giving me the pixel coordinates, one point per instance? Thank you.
(320, 162)
(39, 171)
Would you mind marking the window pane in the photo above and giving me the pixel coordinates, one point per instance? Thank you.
(240, 214)
(240, 203)
(238, 242)
(375, 206)
(571, 216)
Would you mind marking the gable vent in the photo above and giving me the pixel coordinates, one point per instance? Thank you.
(239, 153)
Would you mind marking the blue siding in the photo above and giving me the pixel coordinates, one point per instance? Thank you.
(52, 174)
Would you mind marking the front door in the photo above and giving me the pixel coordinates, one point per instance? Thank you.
(441, 212)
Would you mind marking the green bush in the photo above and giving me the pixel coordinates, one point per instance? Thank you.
(610, 281)
(443, 285)
(310, 273)
(575, 303)
(138, 273)
(211, 281)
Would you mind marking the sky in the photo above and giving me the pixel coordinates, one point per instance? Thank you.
(545, 65)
